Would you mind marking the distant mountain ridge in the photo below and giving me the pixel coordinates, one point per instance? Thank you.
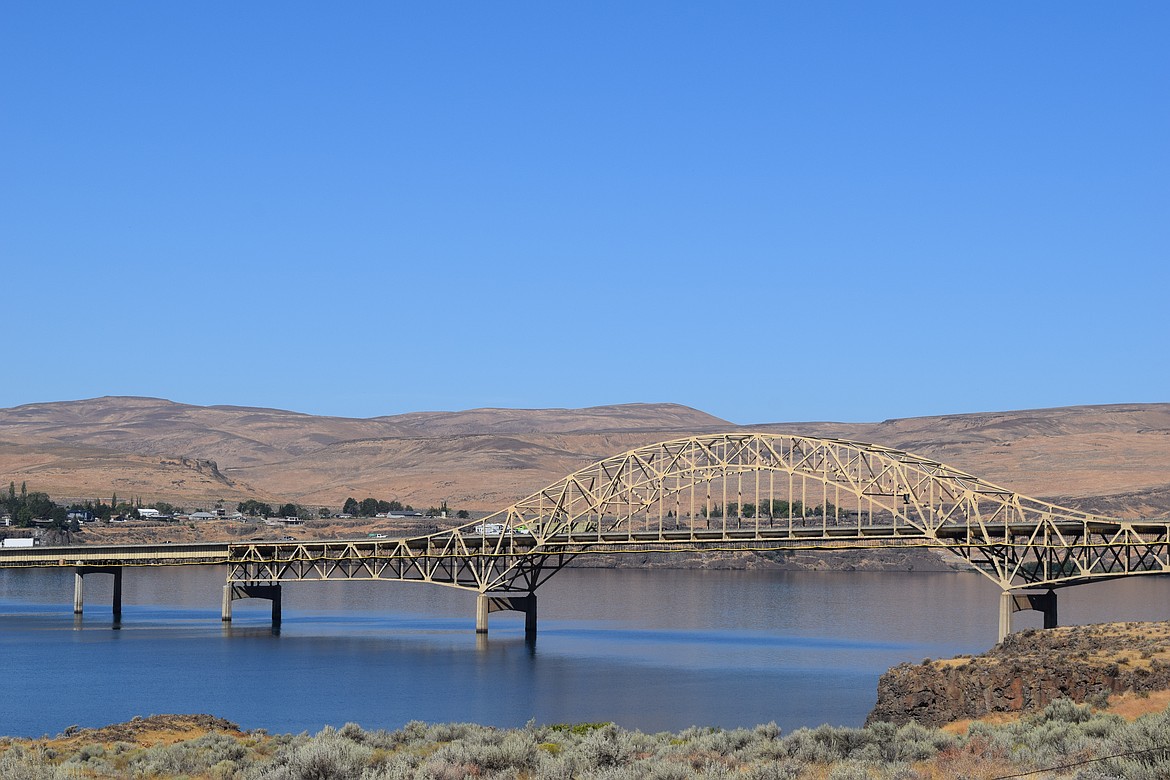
(1114, 457)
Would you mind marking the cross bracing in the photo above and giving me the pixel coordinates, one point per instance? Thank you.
(742, 491)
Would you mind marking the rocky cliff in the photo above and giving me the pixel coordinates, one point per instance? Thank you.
(1027, 671)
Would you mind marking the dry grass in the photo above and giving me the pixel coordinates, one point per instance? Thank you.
(1132, 706)
(144, 732)
(485, 459)
(952, 663)
(200, 747)
(963, 725)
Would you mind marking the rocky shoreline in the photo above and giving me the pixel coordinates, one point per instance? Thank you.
(1028, 671)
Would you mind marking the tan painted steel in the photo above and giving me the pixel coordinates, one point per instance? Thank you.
(742, 491)
(201, 553)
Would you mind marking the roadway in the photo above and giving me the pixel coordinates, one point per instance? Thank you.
(831, 536)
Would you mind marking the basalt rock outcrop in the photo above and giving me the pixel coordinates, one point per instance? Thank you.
(1027, 671)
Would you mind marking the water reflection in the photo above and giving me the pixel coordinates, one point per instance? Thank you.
(647, 649)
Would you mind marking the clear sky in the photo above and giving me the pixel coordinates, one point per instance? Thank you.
(770, 211)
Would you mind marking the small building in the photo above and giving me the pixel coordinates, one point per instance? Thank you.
(286, 521)
(202, 516)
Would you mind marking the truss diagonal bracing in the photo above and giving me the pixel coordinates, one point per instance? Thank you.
(742, 491)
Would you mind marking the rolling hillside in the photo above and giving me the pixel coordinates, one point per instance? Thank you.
(1114, 459)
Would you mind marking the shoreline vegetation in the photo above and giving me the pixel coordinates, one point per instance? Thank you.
(1065, 740)
(921, 729)
(1034, 724)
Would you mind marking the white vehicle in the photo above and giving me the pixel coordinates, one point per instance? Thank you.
(489, 529)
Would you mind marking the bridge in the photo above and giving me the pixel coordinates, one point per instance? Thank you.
(750, 492)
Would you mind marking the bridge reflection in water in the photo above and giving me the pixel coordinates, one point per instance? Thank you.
(725, 492)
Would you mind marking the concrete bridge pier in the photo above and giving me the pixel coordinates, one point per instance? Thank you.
(233, 591)
(486, 603)
(79, 587)
(1011, 602)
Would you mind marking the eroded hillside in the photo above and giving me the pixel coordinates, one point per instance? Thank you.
(1112, 459)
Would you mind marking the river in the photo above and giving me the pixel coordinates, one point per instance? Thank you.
(648, 649)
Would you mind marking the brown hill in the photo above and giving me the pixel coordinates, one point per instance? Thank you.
(1107, 458)
(1112, 459)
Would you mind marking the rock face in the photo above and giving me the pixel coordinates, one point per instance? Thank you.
(1027, 671)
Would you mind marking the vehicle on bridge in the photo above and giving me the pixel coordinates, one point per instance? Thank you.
(499, 529)
(488, 529)
(759, 493)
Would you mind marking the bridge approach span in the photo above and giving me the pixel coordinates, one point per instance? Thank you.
(757, 492)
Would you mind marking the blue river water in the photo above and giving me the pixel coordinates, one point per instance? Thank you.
(654, 650)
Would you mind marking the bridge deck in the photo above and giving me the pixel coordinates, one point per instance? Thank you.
(844, 536)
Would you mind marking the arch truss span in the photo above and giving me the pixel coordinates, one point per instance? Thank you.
(745, 491)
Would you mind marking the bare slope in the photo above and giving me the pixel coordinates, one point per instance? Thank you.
(1114, 459)
(99, 446)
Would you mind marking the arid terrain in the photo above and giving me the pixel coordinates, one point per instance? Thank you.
(1122, 666)
(1111, 459)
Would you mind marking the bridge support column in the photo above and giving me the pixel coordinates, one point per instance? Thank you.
(481, 613)
(1010, 603)
(231, 592)
(1006, 608)
(79, 587)
(486, 603)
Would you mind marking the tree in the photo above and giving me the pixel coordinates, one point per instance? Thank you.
(350, 507)
(462, 514)
(252, 507)
(369, 507)
(289, 510)
(322, 511)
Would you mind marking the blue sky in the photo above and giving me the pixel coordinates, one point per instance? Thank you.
(769, 211)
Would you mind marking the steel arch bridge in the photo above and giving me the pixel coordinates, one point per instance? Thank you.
(740, 491)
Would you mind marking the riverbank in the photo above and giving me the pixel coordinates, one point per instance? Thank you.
(1122, 730)
(1104, 664)
(1065, 740)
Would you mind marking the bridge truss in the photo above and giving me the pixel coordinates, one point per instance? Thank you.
(759, 492)
(765, 493)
